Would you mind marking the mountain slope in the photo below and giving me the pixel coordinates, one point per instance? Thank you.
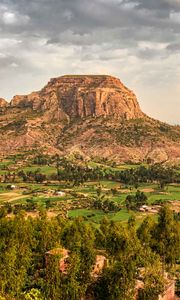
(94, 115)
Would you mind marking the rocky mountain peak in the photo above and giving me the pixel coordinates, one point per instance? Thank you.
(94, 114)
(94, 95)
(84, 96)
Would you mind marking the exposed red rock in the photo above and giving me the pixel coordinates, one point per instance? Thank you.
(83, 96)
(93, 114)
(3, 103)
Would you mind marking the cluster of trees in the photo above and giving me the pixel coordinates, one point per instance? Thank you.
(102, 203)
(26, 274)
(134, 202)
(154, 173)
(79, 172)
(106, 205)
(43, 160)
(32, 176)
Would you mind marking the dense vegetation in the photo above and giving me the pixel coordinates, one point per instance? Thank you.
(78, 173)
(26, 274)
(40, 199)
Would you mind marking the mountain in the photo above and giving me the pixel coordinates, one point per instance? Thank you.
(94, 115)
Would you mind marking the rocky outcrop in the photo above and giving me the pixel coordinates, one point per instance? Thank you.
(3, 103)
(84, 96)
(93, 114)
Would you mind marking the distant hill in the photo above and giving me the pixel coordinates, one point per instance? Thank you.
(94, 115)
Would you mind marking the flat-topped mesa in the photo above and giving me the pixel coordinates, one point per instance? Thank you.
(83, 96)
(93, 95)
(100, 106)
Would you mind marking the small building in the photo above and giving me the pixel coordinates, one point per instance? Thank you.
(146, 207)
(150, 209)
(141, 209)
(11, 187)
(60, 193)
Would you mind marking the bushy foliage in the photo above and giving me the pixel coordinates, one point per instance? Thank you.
(134, 202)
(26, 273)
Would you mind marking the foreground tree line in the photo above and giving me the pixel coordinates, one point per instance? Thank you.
(25, 274)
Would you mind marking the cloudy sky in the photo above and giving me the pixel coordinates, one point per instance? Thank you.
(135, 40)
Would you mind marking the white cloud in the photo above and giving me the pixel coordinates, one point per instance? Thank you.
(9, 18)
(175, 17)
(14, 65)
(8, 43)
(129, 5)
(143, 45)
(12, 18)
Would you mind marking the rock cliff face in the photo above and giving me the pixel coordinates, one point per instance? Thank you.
(96, 115)
(83, 96)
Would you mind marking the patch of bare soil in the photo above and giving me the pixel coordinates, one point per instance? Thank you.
(125, 191)
(11, 196)
(32, 214)
(175, 205)
(149, 190)
(52, 214)
(164, 193)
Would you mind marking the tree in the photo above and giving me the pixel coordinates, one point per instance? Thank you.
(54, 279)
(79, 238)
(167, 237)
(145, 232)
(117, 282)
(33, 294)
(134, 202)
(15, 255)
(154, 283)
(122, 242)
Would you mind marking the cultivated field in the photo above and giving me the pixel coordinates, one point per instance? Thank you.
(62, 197)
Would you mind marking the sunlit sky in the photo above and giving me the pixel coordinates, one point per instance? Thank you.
(137, 41)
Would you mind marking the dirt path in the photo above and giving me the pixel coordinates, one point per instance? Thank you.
(149, 190)
(11, 196)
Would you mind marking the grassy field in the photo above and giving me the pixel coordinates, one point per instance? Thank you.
(48, 170)
(77, 200)
(97, 215)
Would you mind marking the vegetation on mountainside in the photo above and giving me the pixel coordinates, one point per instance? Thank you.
(130, 133)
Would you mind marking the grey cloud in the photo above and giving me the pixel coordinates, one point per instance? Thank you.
(42, 38)
(174, 47)
(162, 5)
(7, 61)
(121, 24)
(83, 22)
